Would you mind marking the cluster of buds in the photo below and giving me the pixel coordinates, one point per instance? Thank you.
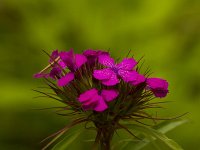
(104, 90)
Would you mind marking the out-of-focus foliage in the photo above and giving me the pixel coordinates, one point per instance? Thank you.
(166, 32)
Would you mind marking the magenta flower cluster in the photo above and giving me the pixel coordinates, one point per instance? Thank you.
(64, 66)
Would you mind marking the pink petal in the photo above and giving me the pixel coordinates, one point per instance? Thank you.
(54, 55)
(138, 79)
(103, 74)
(127, 64)
(109, 95)
(160, 93)
(157, 83)
(40, 75)
(94, 53)
(68, 58)
(101, 106)
(89, 106)
(112, 81)
(88, 95)
(127, 75)
(91, 103)
(106, 60)
(66, 79)
(158, 86)
(80, 60)
(62, 64)
(90, 52)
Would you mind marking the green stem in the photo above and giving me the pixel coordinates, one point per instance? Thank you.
(105, 139)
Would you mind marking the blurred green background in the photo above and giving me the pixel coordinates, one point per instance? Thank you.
(166, 32)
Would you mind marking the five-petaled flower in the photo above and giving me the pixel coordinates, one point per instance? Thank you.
(95, 100)
(109, 76)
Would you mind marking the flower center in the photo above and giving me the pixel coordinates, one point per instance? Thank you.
(115, 69)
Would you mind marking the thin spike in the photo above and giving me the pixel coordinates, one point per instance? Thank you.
(128, 53)
(126, 129)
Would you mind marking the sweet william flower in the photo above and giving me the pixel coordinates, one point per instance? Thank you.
(94, 100)
(109, 76)
(158, 86)
(73, 62)
(56, 68)
(55, 55)
(92, 55)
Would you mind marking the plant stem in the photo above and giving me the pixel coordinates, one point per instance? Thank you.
(105, 139)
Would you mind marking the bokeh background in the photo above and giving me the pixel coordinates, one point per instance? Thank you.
(166, 32)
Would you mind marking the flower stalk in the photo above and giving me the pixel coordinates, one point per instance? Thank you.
(105, 134)
(105, 139)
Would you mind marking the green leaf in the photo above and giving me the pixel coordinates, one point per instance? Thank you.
(67, 140)
(155, 134)
(162, 127)
(53, 140)
(169, 125)
(64, 130)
